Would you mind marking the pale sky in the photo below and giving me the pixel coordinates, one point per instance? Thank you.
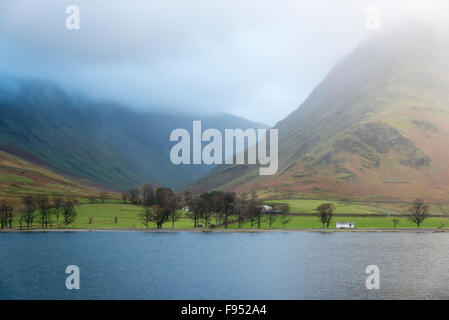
(253, 58)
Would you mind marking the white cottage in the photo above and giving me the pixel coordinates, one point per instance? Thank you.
(267, 208)
(345, 225)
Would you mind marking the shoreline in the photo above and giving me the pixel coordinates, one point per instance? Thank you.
(228, 230)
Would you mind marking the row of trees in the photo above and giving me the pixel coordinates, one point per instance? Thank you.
(227, 207)
(162, 205)
(40, 208)
(217, 208)
(146, 195)
(220, 208)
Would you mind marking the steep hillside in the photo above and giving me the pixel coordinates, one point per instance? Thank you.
(106, 143)
(377, 127)
(19, 178)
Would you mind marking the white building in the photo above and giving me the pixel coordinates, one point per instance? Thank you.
(267, 208)
(345, 225)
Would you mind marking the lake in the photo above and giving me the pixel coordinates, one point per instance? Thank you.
(191, 265)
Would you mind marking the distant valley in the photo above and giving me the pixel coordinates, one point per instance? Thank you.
(105, 143)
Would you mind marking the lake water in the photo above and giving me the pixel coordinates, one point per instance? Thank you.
(184, 265)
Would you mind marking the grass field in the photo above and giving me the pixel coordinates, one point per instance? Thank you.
(309, 206)
(103, 217)
(302, 222)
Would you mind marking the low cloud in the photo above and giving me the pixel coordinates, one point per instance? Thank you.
(255, 58)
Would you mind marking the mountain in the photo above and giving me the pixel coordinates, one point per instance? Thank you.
(107, 143)
(377, 127)
(19, 177)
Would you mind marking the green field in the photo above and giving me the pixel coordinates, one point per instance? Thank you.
(301, 222)
(103, 217)
(309, 206)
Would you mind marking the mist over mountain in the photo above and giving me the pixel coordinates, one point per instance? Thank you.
(109, 144)
(377, 127)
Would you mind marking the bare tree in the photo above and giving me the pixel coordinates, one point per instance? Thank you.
(10, 215)
(174, 205)
(285, 214)
(325, 213)
(255, 210)
(57, 208)
(103, 197)
(395, 222)
(3, 218)
(159, 215)
(148, 195)
(6, 214)
(164, 198)
(229, 199)
(251, 212)
(146, 216)
(68, 212)
(195, 208)
(241, 210)
(134, 195)
(271, 218)
(206, 208)
(21, 217)
(28, 211)
(125, 197)
(418, 212)
(215, 203)
(43, 205)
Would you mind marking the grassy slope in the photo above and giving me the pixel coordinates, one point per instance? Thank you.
(19, 177)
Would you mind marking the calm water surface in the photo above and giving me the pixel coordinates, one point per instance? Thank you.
(140, 265)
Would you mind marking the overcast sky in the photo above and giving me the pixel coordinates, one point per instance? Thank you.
(254, 58)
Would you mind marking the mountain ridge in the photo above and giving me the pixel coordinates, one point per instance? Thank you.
(360, 132)
(105, 142)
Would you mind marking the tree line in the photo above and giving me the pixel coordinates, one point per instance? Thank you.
(161, 205)
(210, 209)
(219, 209)
(216, 208)
(37, 208)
